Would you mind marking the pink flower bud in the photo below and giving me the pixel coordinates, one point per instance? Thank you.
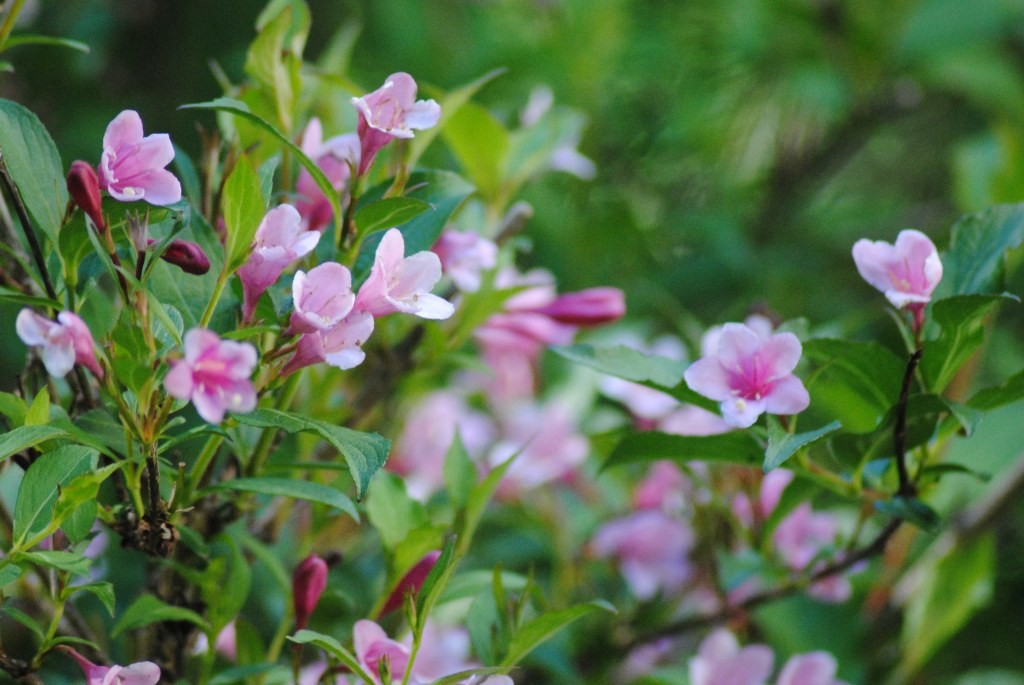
(84, 187)
(308, 582)
(188, 257)
(590, 307)
(411, 582)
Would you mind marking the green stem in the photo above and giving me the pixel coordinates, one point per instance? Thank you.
(200, 467)
(284, 399)
(26, 224)
(8, 25)
(217, 290)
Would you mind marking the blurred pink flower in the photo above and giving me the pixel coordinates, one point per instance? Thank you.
(374, 650)
(464, 256)
(214, 375)
(132, 166)
(690, 419)
(141, 673)
(802, 535)
(444, 651)
(340, 346)
(813, 668)
(280, 240)
(772, 486)
(545, 442)
(906, 272)
(589, 307)
(309, 579)
(750, 375)
(84, 188)
(664, 488)
(402, 284)
(322, 298)
(391, 111)
(651, 548)
(720, 661)
(64, 343)
(334, 157)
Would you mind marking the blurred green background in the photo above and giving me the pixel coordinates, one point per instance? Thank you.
(742, 146)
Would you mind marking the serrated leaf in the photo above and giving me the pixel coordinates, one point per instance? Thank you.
(42, 482)
(736, 447)
(147, 610)
(388, 213)
(529, 636)
(31, 158)
(365, 453)
(239, 108)
(782, 445)
(296, 489)
(975, 260)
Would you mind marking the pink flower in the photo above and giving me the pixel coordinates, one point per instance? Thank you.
(141, 673)
(906, 272)
(375, 651)
(84, 188)
(411, 582)
(341, 346)
(334, 157)
(590, 307)
(802, 534)
(651, 548)
(402, 284)
(464, 256)
(813, 668)
(720, 661)
(690, 419)
(308, 582)
(280, 240)
(391, 111)
(64, 344)
(214, 375)
(750, 375)
(132, 166)
(662, 488)
(322, 298)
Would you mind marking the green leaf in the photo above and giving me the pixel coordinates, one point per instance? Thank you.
(33, 39)
(13, 407)
(225, 593)
(25, 620)
(856, 382)
(1011, 390)
(444, 192)
(9, 574)
(737, 447)
(75, 509)
(71, 562)
(483, 164)
(976, 258)
(783, 445)
(460, 473)
(103, 591)
(388, 213)
(961, 324)
(950, 587)
(8, 295)
(626, 363)
(436, 581)
(365, 453)
(529, 636)
(243, 210)
(465, 676)
(23, 437)
(265, 63)
(332, 647)
(450, 106)
(41, 485)
(28, 152)
(238, 674)
(38, 413)
(910, 509)
(297, 489)
(147, 610)
(391, 511)
(239, 108)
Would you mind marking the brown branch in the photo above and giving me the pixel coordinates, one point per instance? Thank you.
(899, 433)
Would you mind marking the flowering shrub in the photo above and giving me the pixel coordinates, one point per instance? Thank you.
(285, 417)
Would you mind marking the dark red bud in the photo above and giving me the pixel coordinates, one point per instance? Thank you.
(411, 582)
(187, 256)
(591, 307)
(308, 582)
(84, 187)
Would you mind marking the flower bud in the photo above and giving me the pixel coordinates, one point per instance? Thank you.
(308, 582)
(411, 582)
(590, 307)
(84, 187)
(188, 257)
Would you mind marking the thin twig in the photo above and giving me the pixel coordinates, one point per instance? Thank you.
(899, 434)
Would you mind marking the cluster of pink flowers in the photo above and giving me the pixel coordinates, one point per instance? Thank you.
(721, 661)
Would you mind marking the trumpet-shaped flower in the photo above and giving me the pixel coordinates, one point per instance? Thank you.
(64, 342)
(720, 661)
(322, 297)
(464, 256)
(391, 111)
(341, 346)
(750, 374)
(132, 165)
(376, 652)
(214, 375)
(280, 240)
(141, 673)
(907, 271)
(402, 284)
(334, 157)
